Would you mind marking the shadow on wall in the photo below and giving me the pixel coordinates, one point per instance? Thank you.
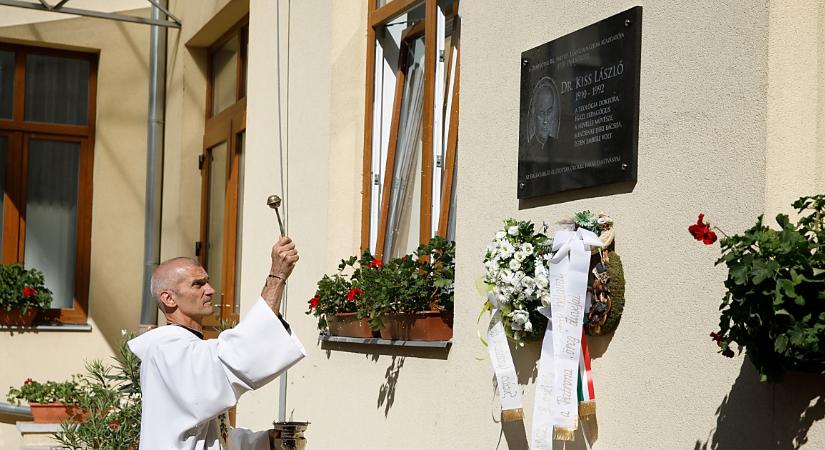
(373, 352)
(386, 393)
(607, 190)
(757, 415)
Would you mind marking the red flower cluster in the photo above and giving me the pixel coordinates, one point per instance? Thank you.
(702, 232)
(313, 302)
(375, 263)
(29, 292)
(718, 338)
(114, 425)
(352, 293)
(28, 381)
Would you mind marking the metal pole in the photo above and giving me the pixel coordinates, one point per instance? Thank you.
(154, 164)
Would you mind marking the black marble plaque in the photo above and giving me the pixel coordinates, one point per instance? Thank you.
(579, 124)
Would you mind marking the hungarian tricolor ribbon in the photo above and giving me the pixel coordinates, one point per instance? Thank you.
(556, 410)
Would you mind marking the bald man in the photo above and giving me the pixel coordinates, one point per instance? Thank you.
(188, 383)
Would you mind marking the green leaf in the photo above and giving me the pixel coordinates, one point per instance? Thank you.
(781, 343)
(763, 270)
(782, 312)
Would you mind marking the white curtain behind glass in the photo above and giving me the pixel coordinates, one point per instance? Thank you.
(51, 215)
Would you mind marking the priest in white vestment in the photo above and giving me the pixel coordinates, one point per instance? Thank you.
(189, 383)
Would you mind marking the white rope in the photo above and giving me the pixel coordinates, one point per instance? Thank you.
(283, 160)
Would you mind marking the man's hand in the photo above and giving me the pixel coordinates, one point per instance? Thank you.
(284, 257)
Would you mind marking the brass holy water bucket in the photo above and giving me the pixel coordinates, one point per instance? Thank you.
(291, 435)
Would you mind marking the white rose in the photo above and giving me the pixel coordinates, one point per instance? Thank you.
(519, 318)
(545, 300)
(527, 248)
(500, 235)
(528, 327)
(528, 282)
(506, 250)
(519, 275)
(520, 256)
(542, 282)
(513, 231)
(514, 264)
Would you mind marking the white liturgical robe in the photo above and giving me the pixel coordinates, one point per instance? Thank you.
(187, 383)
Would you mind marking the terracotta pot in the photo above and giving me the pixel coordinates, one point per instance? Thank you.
(419, 326)
(16, 318)
(348, 324)
(57, 412)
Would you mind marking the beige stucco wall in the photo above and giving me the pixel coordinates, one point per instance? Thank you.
(117, 206)
(794, 150)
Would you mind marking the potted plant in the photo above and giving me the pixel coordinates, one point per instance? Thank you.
(774, 306)
(336, 301)
(50, 402)
(22, 295)
(111, 396)
(408, 298)
(411, 297)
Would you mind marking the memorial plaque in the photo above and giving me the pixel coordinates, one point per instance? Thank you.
(579, 124)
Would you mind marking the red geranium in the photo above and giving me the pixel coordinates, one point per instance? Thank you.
(702, 232)
(29, 292)
(352, 293)
(114, 425)
(375, 263)
(313, 302)
(28, 381)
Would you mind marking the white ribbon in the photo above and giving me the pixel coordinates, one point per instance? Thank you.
(556, 406)
(502, 360)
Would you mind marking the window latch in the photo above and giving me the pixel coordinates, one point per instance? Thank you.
(441, 56)
(439, 161)
(200, 161)
(375, 180)
(197, 248)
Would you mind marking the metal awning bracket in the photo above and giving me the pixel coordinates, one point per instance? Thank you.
(43, 5)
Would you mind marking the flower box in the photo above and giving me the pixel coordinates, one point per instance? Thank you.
(419, 326)
(349, 325)
(17, 318)
(57, 412)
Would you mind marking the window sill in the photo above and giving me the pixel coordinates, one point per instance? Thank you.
(48, 327)
(378, 341)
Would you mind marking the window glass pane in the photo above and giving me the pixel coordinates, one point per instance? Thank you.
(51, 215)
(217, 212)
(404, 203)
(224, 75)
(57, 89)
(6, 84)
(240, 144)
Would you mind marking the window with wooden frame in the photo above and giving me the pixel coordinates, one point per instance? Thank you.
(411, 124)
(221, 165)
(47, 123)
